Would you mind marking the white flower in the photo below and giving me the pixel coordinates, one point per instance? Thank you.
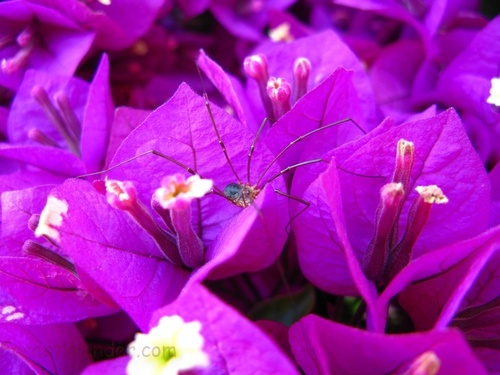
(172, 346)
(494, 97)
(176, 188)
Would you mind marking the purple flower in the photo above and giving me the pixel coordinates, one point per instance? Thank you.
(455, 286)
(137, 253)
(70, 116)
(279, 60)
(40, 285)
(324, 347)
(465, 84)
(445, 65)
(344, 240)
(117, 24)
(183, 131)
(425, 18)
(50, 115)
(37, 37)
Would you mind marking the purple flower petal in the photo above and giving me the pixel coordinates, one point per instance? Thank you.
(227, 85)
(340, 273)
(17, 208)
(328, 54)
(182, 130)
(43, 293)
(117, 25)
(126, 120)
(47, 349)
(247, 19)
(27, 179)
(393, 75)
(193, 7)
(116, 253)
(231, 341)
(97, 120)
(450, 273)
(53, 160)
(60, 49)
(465, 84)
(115, 366)
(325, 347)
(495, 196)
(26, 113)
(332, 100)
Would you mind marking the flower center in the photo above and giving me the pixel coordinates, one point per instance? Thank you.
(172, 347)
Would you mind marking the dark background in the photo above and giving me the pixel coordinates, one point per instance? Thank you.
(490, 8)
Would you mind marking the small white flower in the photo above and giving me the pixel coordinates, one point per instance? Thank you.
(170, 347)
(494, 97)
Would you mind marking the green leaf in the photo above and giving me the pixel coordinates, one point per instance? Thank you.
(285, 309)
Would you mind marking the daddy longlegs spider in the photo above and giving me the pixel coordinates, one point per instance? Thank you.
(187, 144)
(241, 193)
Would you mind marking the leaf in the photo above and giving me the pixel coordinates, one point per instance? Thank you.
(286, 309)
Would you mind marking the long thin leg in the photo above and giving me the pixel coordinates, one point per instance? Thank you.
(298, 139)
(219, 139)
(252, 148)
(289, 168)
(161, 155)
(210, 114)
(149, 152)
(297, 199)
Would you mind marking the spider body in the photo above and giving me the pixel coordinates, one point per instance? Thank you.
(242, 195)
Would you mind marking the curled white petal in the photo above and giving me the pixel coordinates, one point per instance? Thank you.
(51, 218)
